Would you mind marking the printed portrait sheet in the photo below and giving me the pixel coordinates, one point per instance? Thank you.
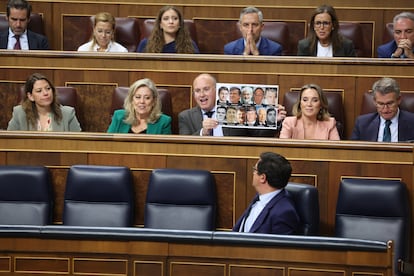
(247, 105)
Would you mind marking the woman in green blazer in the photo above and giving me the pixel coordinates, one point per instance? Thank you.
(142, 111)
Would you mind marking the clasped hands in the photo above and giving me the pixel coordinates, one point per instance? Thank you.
(250, 47)
(404, 47)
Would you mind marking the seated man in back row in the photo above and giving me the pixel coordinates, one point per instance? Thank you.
(389, 123)
(17, 36)
(252, 43)
(202, 120)
(403, 44)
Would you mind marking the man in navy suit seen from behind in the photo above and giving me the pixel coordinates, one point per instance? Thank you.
(272, 210)
(373, 126)
(18, 17)
(252, 43)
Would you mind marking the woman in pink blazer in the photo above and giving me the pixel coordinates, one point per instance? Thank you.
(311, 118)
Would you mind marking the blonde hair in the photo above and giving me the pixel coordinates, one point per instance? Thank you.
(130, 117)
(102, 17)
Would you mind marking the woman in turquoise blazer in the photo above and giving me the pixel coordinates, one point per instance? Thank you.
(142, 111)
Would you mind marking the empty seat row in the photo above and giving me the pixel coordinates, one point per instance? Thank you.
(104, 196)
(370, 209)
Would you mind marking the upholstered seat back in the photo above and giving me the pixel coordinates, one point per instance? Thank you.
(353, 31)
(25, 195)
(335, 107)
(98, 196)
(121, 92)
(306, 201)
(374, 209)
(127, 32)
(181, 199)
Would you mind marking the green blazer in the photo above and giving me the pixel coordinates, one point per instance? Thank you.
(162, 126)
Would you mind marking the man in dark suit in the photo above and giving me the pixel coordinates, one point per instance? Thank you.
(389, 123)
(272, 210)
(252, 43)
(202, 119)
(403, 44)
(18, 37)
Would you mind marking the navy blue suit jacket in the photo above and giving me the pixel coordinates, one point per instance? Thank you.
(367, 126)
(36, 41)
(267, 47)
(278, 217)
(386, 50)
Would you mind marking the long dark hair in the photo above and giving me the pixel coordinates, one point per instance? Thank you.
(335, 37)
(183, 41)
(30, 108)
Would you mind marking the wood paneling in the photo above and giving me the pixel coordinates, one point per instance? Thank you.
(119, 255)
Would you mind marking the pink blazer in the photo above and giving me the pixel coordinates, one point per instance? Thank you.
(292, 127)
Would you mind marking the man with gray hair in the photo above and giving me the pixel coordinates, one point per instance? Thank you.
(403, 44)
(252, 43)
(389, 123)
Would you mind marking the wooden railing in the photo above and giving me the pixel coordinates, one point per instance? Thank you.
(60, 250)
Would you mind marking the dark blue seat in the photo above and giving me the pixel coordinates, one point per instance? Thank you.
(25, 195)
(375, 209)
(181, 199)
(98, 196)
(306, 198)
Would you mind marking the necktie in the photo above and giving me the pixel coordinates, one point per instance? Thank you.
(387, 132)
(17, 45)
(209, 114)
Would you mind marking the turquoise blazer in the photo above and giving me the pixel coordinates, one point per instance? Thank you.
(162, 126)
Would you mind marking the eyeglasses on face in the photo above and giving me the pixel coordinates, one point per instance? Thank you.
(380, 105)
(322, 23)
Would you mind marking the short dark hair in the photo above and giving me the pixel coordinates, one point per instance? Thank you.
(20, 5)
(276, 168)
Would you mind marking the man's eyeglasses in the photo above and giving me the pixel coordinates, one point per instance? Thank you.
(254, 169)
(382, 105)
(322, 23)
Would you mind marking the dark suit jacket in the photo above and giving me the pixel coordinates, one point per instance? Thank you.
(347, 49)
(267, 47)
(367, 126)
(278, 217)
(36, 41)
(387, 49)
